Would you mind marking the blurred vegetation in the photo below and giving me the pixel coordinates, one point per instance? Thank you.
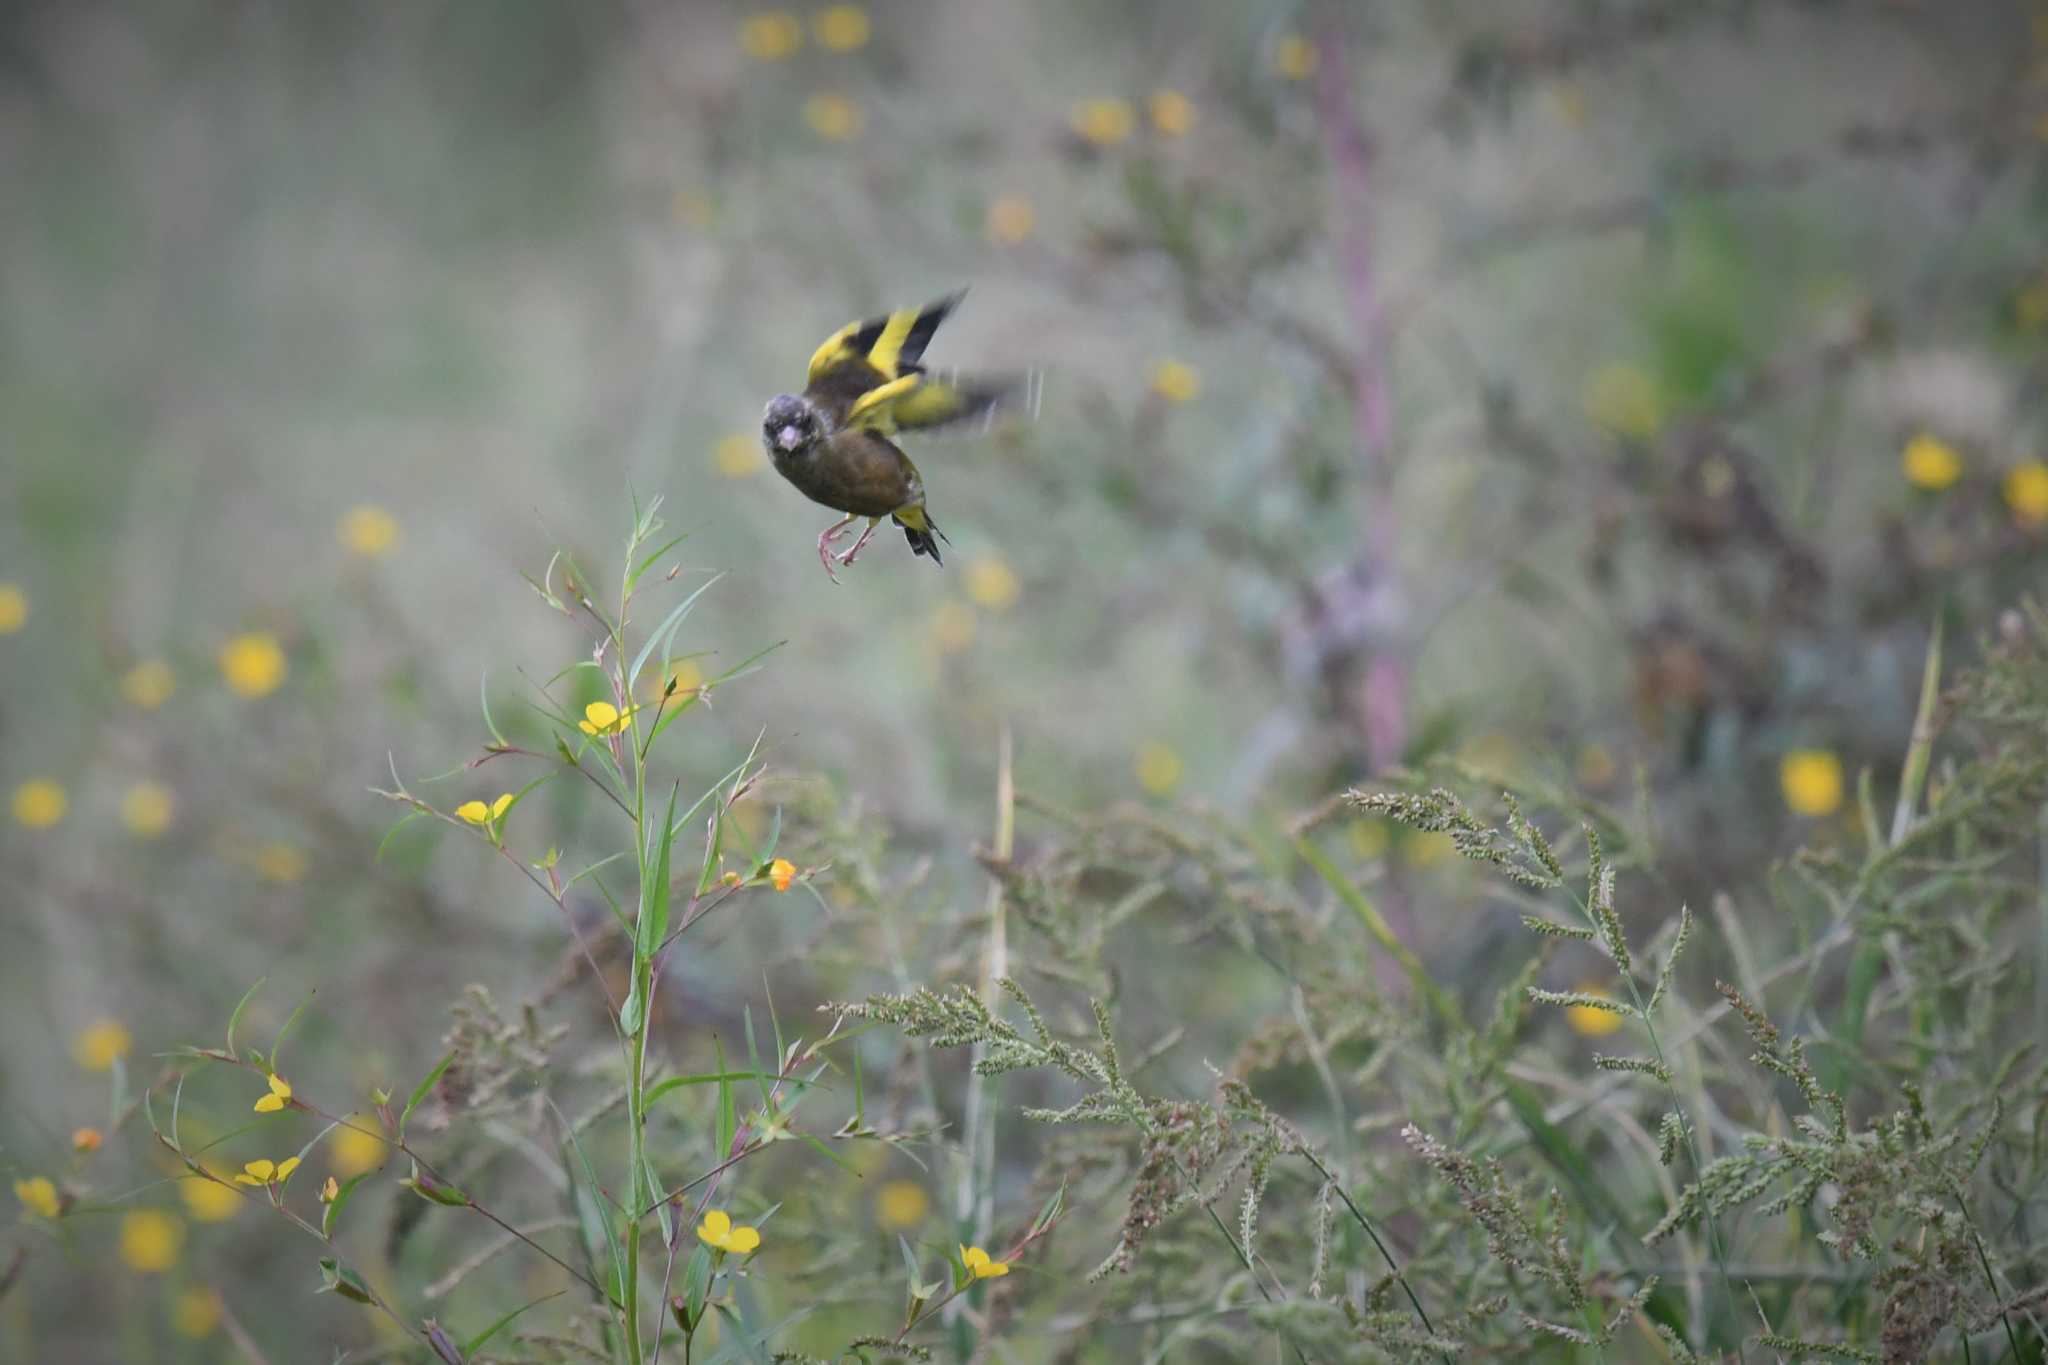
(1635, 406)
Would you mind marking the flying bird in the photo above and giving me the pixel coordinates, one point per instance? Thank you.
(866, 384)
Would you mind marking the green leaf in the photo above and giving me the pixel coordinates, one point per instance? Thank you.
(697, 1282)
(654, 1197)
(633, 578)
(728, 1121)
(652, 924)
(339, 1279)
(277, 1046)
(476, 1343)
(483, 689)
(665, 632)
(656, 1091)
(629, 1012)
(332, 1213)
(235, 1019)
(392, 833)
(419, 1092)
(591, 1206)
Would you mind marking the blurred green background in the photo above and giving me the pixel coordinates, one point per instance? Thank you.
(1710, 339)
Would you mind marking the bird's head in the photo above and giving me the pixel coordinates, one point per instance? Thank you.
(790, 427)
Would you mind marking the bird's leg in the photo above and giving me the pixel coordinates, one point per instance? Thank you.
(861, 544)
(825, 539)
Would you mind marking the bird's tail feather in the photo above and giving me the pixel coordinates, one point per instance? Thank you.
(922, 532)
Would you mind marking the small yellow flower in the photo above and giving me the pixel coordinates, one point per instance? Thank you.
(1103, 122)
(146, 809)
(87, 1139)
(1011, 219)
(38, 1194)
(992, 584)
(1158, 768)
(772, 36)
(952, 627)
(477, 813)
(2026, 492)
(717, 1231)
(148, 684)
(1624, 400)
(841, 28)
(100, 1044)
(13, 608)
(1172, 113)
(1589, 1022)
(280, 1092)
(40, 803)
(262, 1172)
(1295, 57)
(603, 718)
(208, 1201)
(368, 530)
(833, 117)
(1812, 781)
(280, 863)
(151, 1240)
(901, 1205)
(734, 880)
(195, 1313)
(980, 1266)
(253, 665)
(330, 1190)
(1930, 463)
(739, 456)
(780, 873)
(1176, 381)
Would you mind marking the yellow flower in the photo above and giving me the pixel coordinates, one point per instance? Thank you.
(833, 117)
(208, 1201)
(151, 1240)
(38, 1195)
(992, 584)
(40, 803)
(739, 456)
(1295, 57)
(1589, 1021)
(1103, 122)
(13, 608)
(1172, 112)
(1930, 463)
(841, 28)
(980, 1266)
(253, 665)
(195, 1312)
(1176, 381)
(772, 36)
(262, 1172)
(2026, 492)
(901, 1205)
(952, 627)
(602, 718)
(146, 809)
(280, 1091)
(1812, 781)
(100, 1044)
(1011, 219)
(149, 684)
(1158, 768)
(477, 813)
(87, 1140)
(368, 530)
(1624, 400)
(280, 863)
(717, 1231)
(330, 1190)
(780, 873)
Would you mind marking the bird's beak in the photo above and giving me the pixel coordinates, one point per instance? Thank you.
(789, 438)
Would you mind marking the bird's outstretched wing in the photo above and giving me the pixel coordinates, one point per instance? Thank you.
(870, 375)
(890, 345)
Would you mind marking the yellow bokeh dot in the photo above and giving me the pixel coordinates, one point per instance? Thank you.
(253, 665)
(833, 117)
(368, 530)
(1930, 463)
(101, 1043)
(148, 684)
(1811, 780)
(1594, 767)
(951, 627)
(38, 1194)
(2026, 492)
(1420, 850)
(686, 676)
(1591, 1022)
(901, 1205)
(1171, 112)
(772, 36)
(1011, 220)
(1103, 122)
(280, 863)
(356, 1148)
(2030, 305)
(1295, 57)
(195, 1313)
(1368, 839)
(739, 456)
(992, 584)
(151, 1240)
(842, 28)
(13, 608)
(40, 802)
(1176, 381)
(208, 1201)
(1157, 767)
(1625, 400)
(146, 809)
(1494, 753)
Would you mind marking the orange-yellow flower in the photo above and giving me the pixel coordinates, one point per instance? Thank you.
(842, 28)
(901, 1205)
(38, 1194)
(1103, 122)
(1930, 463)
(330, 1190)
(266, 1173)
(1172, 113)
(1011, 219)
(253, 665)
(208, 1201)
(1176, 381)
(992, 584)
(477, 813)
(603, 718)
(980, 1266)
(40, 802)
(1590, 1021)
(151, 1240)
(280, 1093)
(1812, 781)
(833, 117)
(780, 873)
(717, 1231)
(354, 1148)
(368, 530)
(87, 1139)
(772, 36)
(2026, 492)
(100, 1044)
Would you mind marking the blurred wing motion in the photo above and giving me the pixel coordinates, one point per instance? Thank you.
(868, 375)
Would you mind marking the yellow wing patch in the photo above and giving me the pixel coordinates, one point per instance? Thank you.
(892, 344)
(876, 409)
